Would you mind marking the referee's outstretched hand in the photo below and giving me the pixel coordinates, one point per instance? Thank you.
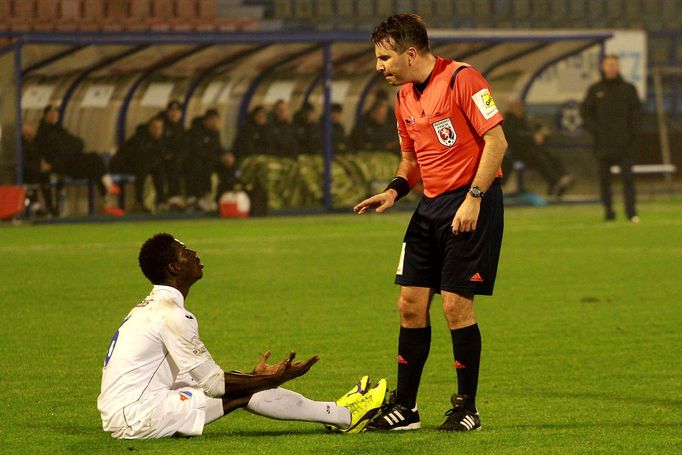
(380, 202)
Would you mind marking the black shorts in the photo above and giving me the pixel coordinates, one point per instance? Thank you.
(433, 257)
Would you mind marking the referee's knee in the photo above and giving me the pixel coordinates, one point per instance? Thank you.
(413, 312)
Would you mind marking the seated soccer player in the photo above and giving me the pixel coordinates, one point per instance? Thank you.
(159, 379)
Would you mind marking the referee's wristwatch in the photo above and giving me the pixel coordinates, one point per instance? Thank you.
(476, 192)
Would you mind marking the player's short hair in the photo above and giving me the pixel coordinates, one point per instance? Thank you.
(155, 255)
(610, 56)
(402, 31)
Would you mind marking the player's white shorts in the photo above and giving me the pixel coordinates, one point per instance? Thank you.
(181, 411)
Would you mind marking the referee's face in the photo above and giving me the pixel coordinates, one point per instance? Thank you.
(392, 65)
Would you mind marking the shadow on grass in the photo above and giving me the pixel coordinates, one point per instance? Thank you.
(255, 432)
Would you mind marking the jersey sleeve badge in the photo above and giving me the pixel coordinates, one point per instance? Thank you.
(485, 103)
(445, 132)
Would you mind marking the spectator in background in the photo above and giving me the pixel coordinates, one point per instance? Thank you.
(175, 140)
(307, 130)
(142, 155)
(206, 155)
(527, 144)
(64, 153)
(373, 131)
(36, 172)
(282, 131)
(254, 137)
(339, 140)
(611, 112)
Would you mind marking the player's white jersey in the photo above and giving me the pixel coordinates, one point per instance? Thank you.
(156, 343)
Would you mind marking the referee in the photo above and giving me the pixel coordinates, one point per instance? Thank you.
(451, 139)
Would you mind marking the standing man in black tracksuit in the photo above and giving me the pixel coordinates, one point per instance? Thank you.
(611, 114)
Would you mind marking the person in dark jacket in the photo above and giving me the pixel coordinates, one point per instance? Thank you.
(339, 139)
(527, 144)
(205, 155)
(36, 170)
(175, 139)
(611, 113)
(142, 155)
(374, 131)
(253, 138)
(282, 131)
(64, 152)
(307, 130)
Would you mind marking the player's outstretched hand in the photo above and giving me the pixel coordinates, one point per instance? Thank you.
(287, 369)
(263, 367)
(294, 370)
(380, 202)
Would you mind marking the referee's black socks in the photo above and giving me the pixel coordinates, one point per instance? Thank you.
(466, 345)
(413, 350)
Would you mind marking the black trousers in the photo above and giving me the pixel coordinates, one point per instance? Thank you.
(625, 162)
(198, 177)
(157, 179)
(538, 158)
(170, 168)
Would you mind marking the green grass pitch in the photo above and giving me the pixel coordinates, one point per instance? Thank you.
(582, 340)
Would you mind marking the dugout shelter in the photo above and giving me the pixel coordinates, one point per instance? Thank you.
(106, 83)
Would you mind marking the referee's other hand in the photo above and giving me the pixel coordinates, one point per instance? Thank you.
(380, 202)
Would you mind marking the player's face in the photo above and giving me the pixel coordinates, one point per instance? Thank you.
(190, 264)
(611, 68)
(52, 116)
(213, 123)
(261, 118)
(391, 64)
(174, 115)
(156, 129)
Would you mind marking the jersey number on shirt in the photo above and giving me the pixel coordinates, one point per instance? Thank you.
(112, 345)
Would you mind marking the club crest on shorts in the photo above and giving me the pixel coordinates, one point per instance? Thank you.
(185, 395)
(445, 132)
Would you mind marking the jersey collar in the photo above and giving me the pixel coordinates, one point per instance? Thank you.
(175, 294)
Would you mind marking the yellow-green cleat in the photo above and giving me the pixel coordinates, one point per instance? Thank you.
(349, 397)
(363, 407)
(353, 394)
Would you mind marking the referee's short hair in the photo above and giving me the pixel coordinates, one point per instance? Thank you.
(402, 31)
(155, 255)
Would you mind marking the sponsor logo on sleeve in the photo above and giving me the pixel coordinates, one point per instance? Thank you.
(445, 132)
(198, 346)
(485, 103)
(185, 395)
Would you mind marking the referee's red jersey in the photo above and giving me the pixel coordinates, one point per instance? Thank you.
(445, 124)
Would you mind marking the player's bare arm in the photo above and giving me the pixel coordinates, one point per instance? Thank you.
(491, 159)
(266, 376)
(407, 169)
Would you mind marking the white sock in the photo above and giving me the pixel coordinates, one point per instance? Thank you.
(283, 404)
(214, 409)
(107, 181)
